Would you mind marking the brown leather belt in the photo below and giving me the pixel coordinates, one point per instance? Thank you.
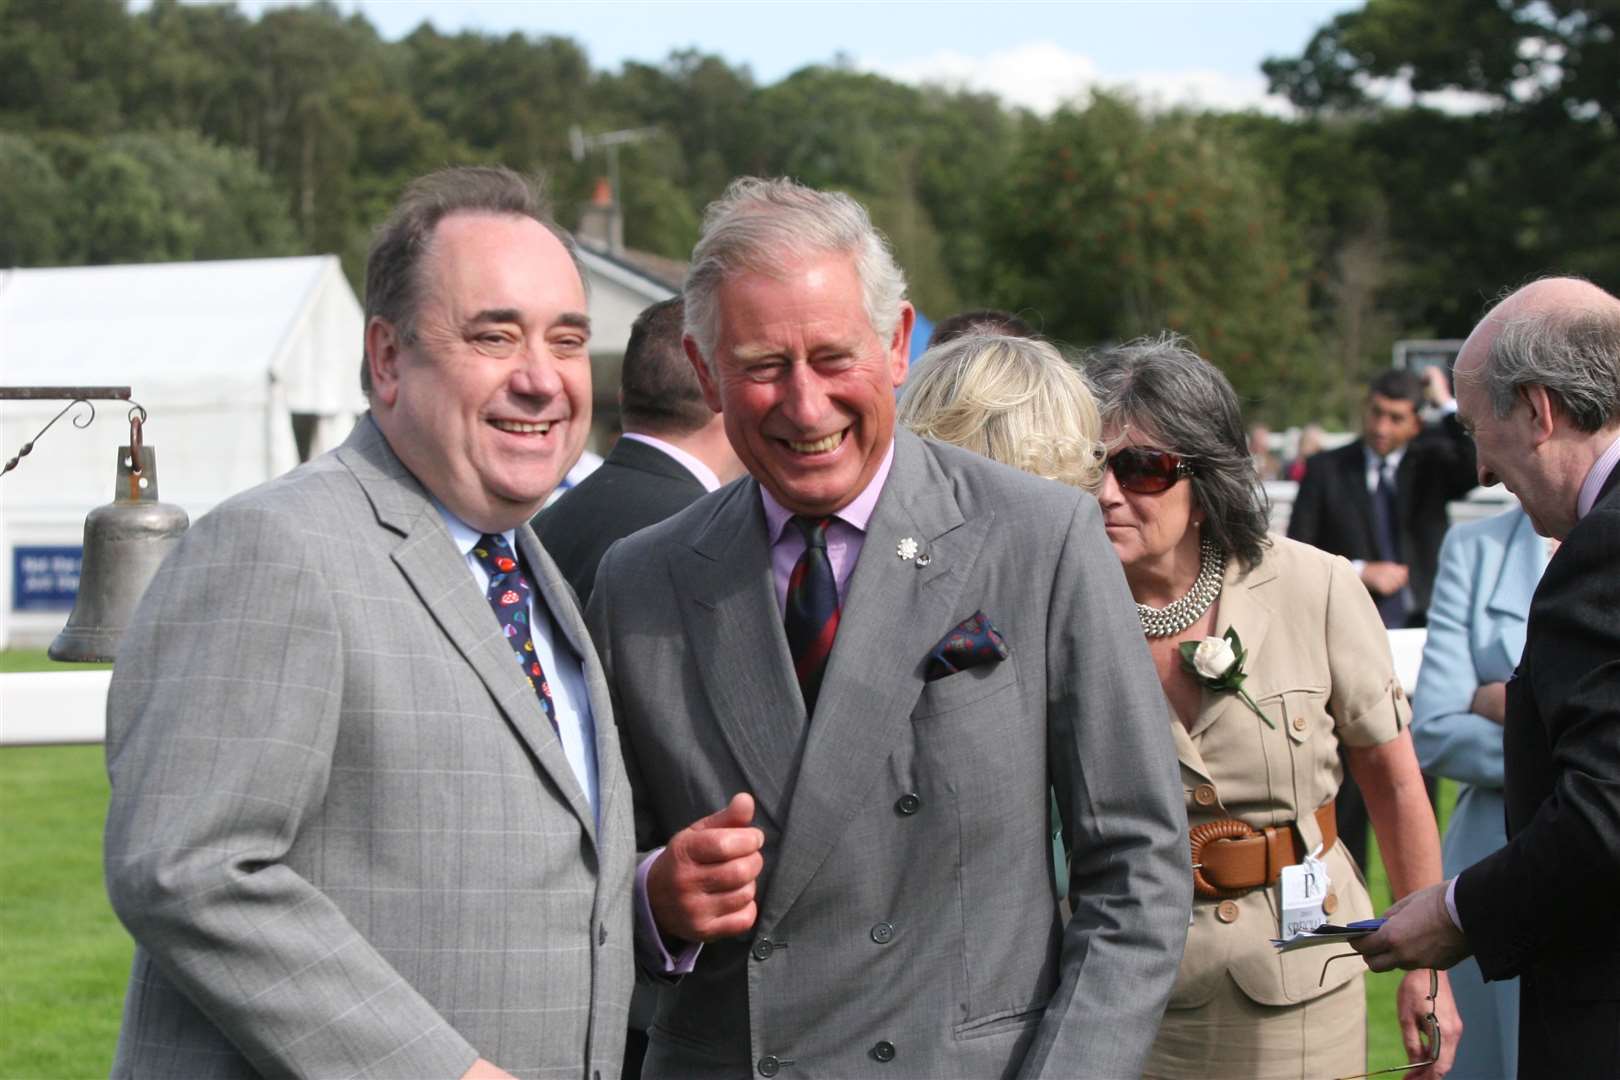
(1231, 857)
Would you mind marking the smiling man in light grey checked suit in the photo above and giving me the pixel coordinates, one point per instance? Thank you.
(870, 876)
(351, 835)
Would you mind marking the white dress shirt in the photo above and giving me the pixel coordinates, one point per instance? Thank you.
(569, 698)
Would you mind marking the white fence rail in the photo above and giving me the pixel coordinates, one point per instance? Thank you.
(44, 707)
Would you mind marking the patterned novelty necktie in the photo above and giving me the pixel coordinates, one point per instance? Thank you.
(812, 609)
(509, 595)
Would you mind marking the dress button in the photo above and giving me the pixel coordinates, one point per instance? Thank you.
(770, 1065)
(907, 804)
(763, 948)
(884, 1051)
(1204, 795)
(1299, 723)
(883, 933)
(1227, 911)
(1330, 904)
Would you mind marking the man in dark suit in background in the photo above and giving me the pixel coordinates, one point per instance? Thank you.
(1539, 386)
(673, 450)
(1381, 503)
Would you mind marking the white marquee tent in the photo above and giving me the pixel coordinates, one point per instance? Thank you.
(244, 366)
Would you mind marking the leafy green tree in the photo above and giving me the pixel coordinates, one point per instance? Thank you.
(1529, 53)
(31, 205)
(161, 197)
(63, 64)
(1116, 223)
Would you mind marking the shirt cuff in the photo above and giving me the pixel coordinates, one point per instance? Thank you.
(680, 963)
(1451, 904)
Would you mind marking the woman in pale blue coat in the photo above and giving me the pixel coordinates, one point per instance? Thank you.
(1488, 572)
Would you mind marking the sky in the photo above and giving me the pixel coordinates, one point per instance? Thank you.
(1038, 55)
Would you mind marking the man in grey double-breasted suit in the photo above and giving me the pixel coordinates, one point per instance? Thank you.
(368, 814)
(869, 873)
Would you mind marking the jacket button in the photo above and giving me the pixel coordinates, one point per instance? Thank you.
(907, 804)
(1299, 723)
(1227, 911)
(883, 1051)
(762, 951)
(770, 1065)
(1330, 904)
(1400, 693)
(1204, 795)
(883, 933)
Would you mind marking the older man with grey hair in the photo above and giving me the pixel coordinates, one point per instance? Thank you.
(859, 672)
(1538, 384)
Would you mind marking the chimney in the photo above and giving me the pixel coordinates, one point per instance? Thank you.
(600, 222)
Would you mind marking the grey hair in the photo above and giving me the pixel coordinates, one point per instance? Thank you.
(756, 225)
(1161, 387)
(1011, 399)
(1574, 353)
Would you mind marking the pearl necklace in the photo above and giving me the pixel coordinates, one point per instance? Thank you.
(1175, 617)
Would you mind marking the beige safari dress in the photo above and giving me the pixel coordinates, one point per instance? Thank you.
(1319, 666)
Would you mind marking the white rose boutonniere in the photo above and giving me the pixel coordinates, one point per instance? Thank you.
(1217, 663)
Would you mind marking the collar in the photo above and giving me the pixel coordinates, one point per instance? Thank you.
(857, 514)
(1392, 460)
(464, 535)
(688, 461)
(1596, 477)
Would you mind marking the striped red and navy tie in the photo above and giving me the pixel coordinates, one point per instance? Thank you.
(812, 609)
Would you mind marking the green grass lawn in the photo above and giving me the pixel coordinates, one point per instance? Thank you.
(64, 958)
(37, 660)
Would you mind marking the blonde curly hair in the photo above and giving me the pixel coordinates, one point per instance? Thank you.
(1015, 400)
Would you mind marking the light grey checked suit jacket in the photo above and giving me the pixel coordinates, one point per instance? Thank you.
(342, 833)
(907, 924)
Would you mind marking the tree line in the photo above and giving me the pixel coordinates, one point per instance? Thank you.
(1291, 251)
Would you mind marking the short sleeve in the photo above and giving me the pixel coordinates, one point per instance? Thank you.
(1366, 700)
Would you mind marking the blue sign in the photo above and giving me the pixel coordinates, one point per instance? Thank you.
(45, 578)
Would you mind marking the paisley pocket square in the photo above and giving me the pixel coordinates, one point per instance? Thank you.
(972, 642)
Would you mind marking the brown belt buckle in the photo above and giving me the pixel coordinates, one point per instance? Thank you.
(1212, 832)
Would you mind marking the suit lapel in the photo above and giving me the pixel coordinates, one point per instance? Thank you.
(554, 592)
(895, 611)
(437, 571)
(727, 601)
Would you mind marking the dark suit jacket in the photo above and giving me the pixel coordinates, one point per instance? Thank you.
(1547, 906)
(637, 486)
(1333, 510)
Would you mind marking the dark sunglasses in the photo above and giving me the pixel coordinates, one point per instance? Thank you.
(1147, 472)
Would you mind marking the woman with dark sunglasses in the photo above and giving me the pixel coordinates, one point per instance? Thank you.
(1287, 658)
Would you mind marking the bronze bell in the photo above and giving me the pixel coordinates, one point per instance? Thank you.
(124, 541)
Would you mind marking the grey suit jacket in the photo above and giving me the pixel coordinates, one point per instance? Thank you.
(907, 924)
(343, 835)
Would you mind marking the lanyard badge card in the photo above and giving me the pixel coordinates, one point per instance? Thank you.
(1304, 886)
